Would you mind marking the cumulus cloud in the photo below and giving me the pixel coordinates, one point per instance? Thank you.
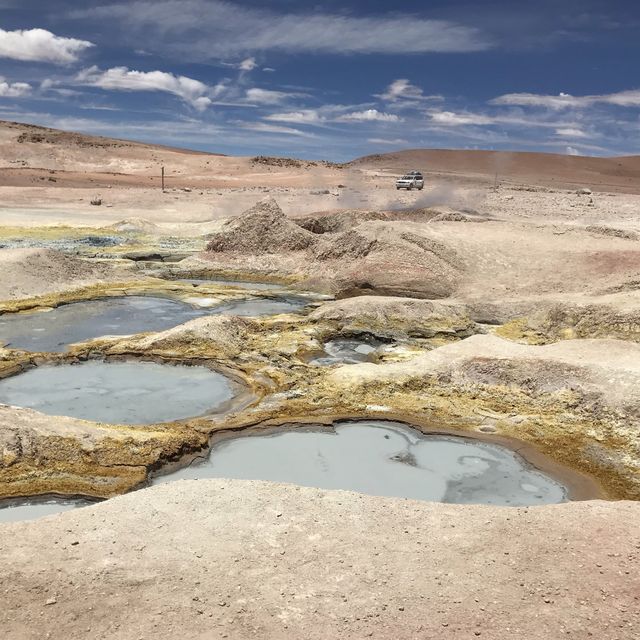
(193, 92)
(40, 45)
(369, 115)
(13, 89)
(629, 98)
(572, 151)
(220, 27)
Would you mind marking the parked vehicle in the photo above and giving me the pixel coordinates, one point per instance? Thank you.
(411, 180)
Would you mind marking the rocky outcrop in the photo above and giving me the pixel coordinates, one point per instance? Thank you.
(210, 336)
(41, 453)
(395, 317)
(564, 321)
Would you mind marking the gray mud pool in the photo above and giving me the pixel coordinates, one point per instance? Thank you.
(346, 351)
(385, 459)
(261, 306)
(240, 284)
(30, 509)
(53, 331)
(118, 392)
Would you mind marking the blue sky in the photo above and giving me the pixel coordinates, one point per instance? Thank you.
(331, 79)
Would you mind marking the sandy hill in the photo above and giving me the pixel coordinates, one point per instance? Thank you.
(547, 169)
(39, 156)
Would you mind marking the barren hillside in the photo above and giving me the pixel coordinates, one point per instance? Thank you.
(546, 169)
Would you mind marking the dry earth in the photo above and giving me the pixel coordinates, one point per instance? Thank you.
(235, 559)
(509, 305)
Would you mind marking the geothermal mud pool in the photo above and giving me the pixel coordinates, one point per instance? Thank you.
(240, 284)
(346, 351)
(381, 458)
(118, 392)
(54, 330)
(19, 510)
(261, 306)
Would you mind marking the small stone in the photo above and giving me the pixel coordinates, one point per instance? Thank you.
(51, 601)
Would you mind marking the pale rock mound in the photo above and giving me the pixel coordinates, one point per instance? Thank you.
(223, 336)
(135, 225)
(376, 257)
(379, 258)
(263, 228)
(34, 272)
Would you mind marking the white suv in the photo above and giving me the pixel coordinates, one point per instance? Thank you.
(412, 180)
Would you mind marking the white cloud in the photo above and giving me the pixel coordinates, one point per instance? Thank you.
(572, 151)
(263, 127)
(402, 90)
(451, 119)
(629, 98)
(193, 92)
(219, 28)
(39, 45)
(369, 115)
(569, 132)
(508, 119)
(13, 90)
(304, 116)
(248, 64)
(267, 96)
(394, 142)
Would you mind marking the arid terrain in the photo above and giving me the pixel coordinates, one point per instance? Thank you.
(505, 302)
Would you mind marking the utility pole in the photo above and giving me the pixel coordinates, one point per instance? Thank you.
(162, 179)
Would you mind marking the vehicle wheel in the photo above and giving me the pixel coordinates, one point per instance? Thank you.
(421, 188)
